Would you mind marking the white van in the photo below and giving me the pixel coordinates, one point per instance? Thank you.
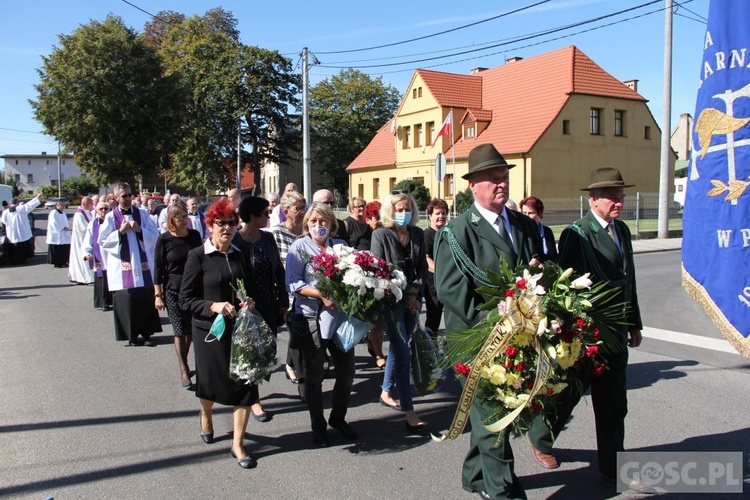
(6, 193)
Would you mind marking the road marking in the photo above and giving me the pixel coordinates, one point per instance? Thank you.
(688, 339)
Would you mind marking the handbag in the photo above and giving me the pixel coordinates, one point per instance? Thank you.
(303, 330)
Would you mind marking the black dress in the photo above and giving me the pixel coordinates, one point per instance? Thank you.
(358, 234)
(208, 278)
(169, 259)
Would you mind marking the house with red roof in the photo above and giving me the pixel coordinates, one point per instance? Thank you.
(556, 116)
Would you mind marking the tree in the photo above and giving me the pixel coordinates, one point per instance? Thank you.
(78, 186)
(10, 181)
(464, 199)
(346, 111)
(417, 190)
(104, 95)
(49, 191)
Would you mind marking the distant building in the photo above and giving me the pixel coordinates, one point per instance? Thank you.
(680, 142)
(556, 116)
(34, 171)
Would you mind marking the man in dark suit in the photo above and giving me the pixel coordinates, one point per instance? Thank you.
(599, 244)
(473, 242)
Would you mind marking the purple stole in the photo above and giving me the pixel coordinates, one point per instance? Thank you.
(127, 269)
(97, 260)
(85, 213)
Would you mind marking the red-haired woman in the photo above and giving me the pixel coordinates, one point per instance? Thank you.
(206, 292)
(531, 206)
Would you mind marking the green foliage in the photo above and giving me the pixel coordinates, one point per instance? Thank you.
(346, 111)
(464, 199)
(104, 95)
(49, 191)
(78, 186)
(417, 190)
(10, 181)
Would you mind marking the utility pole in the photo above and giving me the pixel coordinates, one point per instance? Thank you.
(239, 157)
(666, 126)
(59, 172)
(306, 178)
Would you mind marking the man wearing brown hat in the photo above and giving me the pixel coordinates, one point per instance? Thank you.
(471, 243)
(599, 244)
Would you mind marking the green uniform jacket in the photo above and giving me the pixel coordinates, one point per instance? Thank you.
(456, 288)
(587, 248)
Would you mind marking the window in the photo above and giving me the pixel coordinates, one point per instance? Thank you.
(448, 187)
(29, 162)
(429, 132)
(375, 189)
(419, 92)
(679, 188)
(405, 140)
(470, 131)
(63, 162)
(619, 123)
(566, 127)
(414, 93)
(30, 178)
(16, 162)
(17, 178)
(47, 162)
(417, 135)
(647, 133)
(595, 121)
(361, 190)
(391, 184)
(53, 182)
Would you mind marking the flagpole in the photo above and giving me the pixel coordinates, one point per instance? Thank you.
(453, 160)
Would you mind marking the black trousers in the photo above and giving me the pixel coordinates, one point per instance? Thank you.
(434, 313)
(314, 358)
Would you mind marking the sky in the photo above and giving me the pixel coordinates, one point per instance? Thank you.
(629, 45)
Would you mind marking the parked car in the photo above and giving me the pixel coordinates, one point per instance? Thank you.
(52, 201)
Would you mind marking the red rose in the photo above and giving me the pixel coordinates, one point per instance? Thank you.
(596, 333)
(521, 283)
(520, 366)
(581, 323)
(536, 407)
(509, 292)
(592, 351)
(549, 392)
(507, 364)
(462, 369)
(599, 370)
(511, 351)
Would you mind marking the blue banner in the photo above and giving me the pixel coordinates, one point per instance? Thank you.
(716, 219)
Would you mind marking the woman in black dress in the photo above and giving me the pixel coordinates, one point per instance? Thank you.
(206, 292)
(171, 253)
(437, 214)
(356, 231)
(265, 283)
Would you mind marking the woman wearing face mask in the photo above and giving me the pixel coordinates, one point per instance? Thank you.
(401, 243)
(317, 226)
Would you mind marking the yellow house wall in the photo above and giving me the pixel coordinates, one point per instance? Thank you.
(562, 164)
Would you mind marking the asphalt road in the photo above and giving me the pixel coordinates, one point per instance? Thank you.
(84, 417)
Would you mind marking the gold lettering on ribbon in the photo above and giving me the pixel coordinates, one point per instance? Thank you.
(522, 315)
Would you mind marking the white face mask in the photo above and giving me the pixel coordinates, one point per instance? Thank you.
(319, 232)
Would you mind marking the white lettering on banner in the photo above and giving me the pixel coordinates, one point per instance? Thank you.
(745, 297)
(709, 40)
(723, 235)
(736, 59)
(745, 237)
(720, 61)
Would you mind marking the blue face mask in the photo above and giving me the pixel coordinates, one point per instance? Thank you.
(319, 232)
(402, 218)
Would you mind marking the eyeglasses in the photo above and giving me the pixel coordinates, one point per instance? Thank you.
(103, 208)
(225, 223)
(359, 207)
(400, 191)
(126, 195)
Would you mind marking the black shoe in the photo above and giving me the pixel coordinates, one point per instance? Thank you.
(416, 430)
(396, 407)
(150, 343)
(246, 463)
(345, 429)
(207, 437)
(321, 439)
(293, 380)
(139, 341)
(263, 417)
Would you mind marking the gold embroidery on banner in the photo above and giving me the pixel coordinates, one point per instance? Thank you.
(735, 188)
(713, 122)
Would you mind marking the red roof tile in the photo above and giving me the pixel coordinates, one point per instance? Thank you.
(479, 115)
(452, 90)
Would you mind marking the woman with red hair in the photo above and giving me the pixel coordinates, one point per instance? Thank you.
(206, 292)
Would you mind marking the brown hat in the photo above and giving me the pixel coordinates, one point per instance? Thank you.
(485, 157)
(606, 177)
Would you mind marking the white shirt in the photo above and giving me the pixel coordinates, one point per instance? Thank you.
(17, 227)
(491, 218)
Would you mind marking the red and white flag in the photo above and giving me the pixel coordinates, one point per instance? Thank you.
(446, 128)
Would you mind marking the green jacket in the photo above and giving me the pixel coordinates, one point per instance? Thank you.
(484, 247)
(587, 248)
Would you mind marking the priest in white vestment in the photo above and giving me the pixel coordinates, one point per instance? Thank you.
(81, 270)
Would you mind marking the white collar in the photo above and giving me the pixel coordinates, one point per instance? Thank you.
(603, 222)
(209, 248)
(489, 215)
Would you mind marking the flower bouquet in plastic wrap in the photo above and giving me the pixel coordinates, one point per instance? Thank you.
(253, 356)
(364, 287)
(539, 325)
(427, 373)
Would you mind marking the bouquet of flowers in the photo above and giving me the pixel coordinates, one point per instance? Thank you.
(539, 325)
(427, 374)
(253, 357)
(364, 287)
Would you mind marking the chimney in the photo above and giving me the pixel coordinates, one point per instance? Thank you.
(632, 85)
(478, 69)
(513, 59)
(44, 153)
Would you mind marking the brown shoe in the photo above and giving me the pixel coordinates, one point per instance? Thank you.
(546, 460)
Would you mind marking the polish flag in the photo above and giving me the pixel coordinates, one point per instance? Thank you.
(446, 128)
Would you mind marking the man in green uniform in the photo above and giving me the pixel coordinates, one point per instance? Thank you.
(599, 244)
(464, 249)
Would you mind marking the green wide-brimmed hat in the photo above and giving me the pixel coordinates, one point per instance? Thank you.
(485, 157)
(606, 177)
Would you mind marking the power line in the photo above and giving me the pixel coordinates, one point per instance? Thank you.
(521, 9)
(24, 131)
(682, 4)
(517, 39)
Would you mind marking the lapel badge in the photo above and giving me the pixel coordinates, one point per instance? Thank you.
(475, 219)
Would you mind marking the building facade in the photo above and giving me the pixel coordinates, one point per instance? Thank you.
(556, 116)
(31, 172)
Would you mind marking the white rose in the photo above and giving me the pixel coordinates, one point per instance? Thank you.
(378, 293)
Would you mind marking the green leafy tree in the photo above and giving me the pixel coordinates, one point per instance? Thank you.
(103, 94)
(49, 191)
(78, 186)
(464, 199)
(417, 190)
(346, 110)
(10, 181)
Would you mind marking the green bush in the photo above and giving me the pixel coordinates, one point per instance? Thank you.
(418, 190)
(464, 199)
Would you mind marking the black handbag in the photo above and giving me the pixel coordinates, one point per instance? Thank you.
(303, 330)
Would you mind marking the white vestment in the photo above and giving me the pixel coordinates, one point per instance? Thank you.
(109, 242)
(57, 223)
(79, 270)
(17, 227)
